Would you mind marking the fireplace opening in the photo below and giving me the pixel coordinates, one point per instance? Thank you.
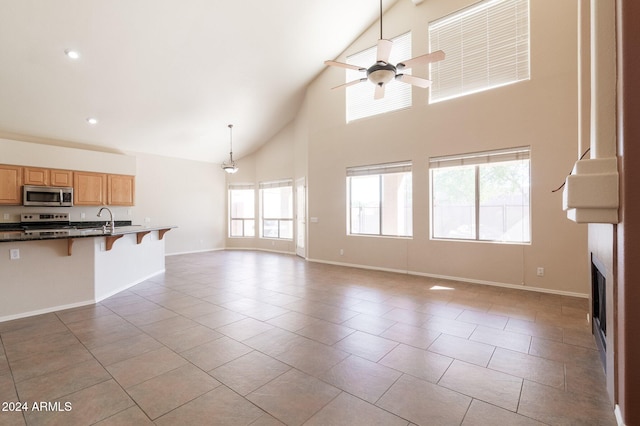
(599, 307)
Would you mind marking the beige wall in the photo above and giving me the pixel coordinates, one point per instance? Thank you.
(541, 113)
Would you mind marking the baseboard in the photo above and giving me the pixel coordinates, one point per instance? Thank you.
(259, 249)
(452, 278)
(128, 286)
(46, 310)
(193, 252)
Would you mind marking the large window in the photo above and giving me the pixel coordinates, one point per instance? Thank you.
(481, 196)
(486, 46)
(241, 210)
(277, 209)
(380, 200)
(360, 101)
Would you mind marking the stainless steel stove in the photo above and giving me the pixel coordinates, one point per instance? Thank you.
(45, 223)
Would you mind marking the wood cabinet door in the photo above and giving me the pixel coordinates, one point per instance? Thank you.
(121, 190)
(36, 176)
(89, 189)
(10, 185)
(61, 177)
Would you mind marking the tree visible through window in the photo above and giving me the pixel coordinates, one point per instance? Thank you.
(481, 196)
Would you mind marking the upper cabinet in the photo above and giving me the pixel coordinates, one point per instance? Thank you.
(47, 177)
(61, 177)
(89, 189)
(98, 189)
(10, 185)
(120, 190)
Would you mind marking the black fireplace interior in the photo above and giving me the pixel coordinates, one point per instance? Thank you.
(599, 301)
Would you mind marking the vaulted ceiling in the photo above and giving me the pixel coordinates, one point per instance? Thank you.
(167, 76)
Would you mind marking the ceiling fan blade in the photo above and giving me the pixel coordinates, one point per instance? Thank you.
(379, 93)
(436, 56)
(415, 81)
(351, 83)
(343, 65)
(384, 50)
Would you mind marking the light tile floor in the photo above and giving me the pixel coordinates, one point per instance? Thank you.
(250, 338)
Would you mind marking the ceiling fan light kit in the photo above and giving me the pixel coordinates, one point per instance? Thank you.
(230, 166)
(382, 72)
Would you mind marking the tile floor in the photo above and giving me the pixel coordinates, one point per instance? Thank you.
(248, 338)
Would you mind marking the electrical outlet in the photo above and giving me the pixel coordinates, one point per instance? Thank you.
(341, 252)
(147, 219)
(14, 254)
(540, 271)
(83, 215)
(6, 216)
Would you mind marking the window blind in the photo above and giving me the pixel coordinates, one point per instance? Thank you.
(360, 102)
(486, 46)
(379, 169)
(241, 186)
(276, 184)
(511, 154)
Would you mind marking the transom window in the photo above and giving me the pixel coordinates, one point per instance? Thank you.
(481, 196)
(242, 210)
(277, 209)
(380, 200)
(360, 102)
(486, 46)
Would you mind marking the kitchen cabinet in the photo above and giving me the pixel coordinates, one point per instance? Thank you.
(10, 185)
(61, 177)
(47, 177)
(89, 189)
(36, 176)
(120, 190)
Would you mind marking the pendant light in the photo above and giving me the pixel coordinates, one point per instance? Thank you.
(230, 166)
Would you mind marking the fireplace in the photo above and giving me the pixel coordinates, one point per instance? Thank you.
(599, 307)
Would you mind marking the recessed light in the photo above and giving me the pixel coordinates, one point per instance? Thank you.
(92, 121)
(72, 54)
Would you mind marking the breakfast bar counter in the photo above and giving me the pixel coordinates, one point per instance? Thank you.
(40, 273)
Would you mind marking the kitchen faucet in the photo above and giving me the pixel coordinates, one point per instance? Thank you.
(112, 223)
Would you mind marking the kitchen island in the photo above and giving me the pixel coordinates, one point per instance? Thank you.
(48, 271)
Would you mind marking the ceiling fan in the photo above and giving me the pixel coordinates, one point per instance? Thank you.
(382, 72)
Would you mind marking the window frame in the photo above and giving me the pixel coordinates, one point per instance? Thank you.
(402, 167)
(241, 187)
(478, 160)
(282, 183)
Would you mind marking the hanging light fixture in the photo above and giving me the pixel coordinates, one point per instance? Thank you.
(230, 166)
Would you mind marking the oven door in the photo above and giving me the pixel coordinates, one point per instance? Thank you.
(48, 196)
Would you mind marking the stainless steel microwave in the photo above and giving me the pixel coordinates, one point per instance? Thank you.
(47, 196)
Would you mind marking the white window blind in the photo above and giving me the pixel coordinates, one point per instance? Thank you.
(379, 169)
(276, 184)
(472, 159)
(360, 102)
(486, 46)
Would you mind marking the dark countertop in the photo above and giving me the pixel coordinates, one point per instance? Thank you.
(12, 235)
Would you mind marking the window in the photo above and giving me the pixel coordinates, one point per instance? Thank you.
(380, 200)
(481, 196)
(277, 209)
(486, 46)
(360, 102)
(241, 210)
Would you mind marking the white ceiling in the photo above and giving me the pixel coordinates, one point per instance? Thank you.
(167, 76)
